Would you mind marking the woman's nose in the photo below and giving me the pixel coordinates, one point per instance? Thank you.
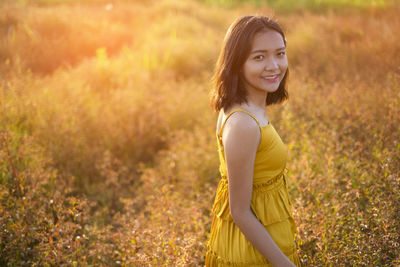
(271, 64)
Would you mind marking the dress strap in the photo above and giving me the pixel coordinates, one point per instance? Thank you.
(230, 113)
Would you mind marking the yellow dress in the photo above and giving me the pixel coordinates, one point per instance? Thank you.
(270, 202)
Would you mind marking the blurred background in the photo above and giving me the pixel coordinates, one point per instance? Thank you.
(108, 153)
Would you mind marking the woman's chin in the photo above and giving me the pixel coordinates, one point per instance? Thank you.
(272, 90)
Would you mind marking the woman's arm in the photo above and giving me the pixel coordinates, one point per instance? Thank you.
(241, 138)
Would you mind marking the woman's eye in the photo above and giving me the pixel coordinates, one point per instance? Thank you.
(259, 57)
(281, 53)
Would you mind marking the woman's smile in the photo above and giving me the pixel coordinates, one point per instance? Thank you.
(271, 79)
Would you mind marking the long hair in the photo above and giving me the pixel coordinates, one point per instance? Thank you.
(228, 87)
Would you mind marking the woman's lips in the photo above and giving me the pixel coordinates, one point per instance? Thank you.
(272, 78)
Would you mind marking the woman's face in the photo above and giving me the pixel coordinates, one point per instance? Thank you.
(267, 63)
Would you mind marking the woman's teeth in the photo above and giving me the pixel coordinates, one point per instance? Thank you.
(271, 78)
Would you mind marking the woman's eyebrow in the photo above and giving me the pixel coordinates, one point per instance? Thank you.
(264, 51)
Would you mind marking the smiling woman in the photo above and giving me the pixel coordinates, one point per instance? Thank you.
(266, 65)
(253, 223)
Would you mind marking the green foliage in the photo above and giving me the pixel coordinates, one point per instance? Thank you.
(295, 6)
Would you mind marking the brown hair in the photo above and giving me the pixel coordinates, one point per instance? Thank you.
(228, 83)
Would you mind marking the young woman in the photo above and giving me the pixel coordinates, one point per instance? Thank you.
(253, 223)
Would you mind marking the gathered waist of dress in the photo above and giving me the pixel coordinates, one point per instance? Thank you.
(264, 185)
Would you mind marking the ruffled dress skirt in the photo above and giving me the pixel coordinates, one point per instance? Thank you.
(227, 245)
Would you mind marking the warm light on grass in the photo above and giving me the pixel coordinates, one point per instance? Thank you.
(108, 153)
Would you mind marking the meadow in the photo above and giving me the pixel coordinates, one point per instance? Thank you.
(108, 154)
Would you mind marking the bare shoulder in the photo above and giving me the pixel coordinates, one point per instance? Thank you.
(241, 121)
(241, 133)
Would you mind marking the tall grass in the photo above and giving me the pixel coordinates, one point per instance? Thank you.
(317, 6)
(108, 151)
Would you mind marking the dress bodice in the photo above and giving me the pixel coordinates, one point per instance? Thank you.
(271, 154)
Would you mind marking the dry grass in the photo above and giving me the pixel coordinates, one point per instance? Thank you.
(108, 151)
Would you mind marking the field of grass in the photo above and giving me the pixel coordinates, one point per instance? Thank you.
(108, 155)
